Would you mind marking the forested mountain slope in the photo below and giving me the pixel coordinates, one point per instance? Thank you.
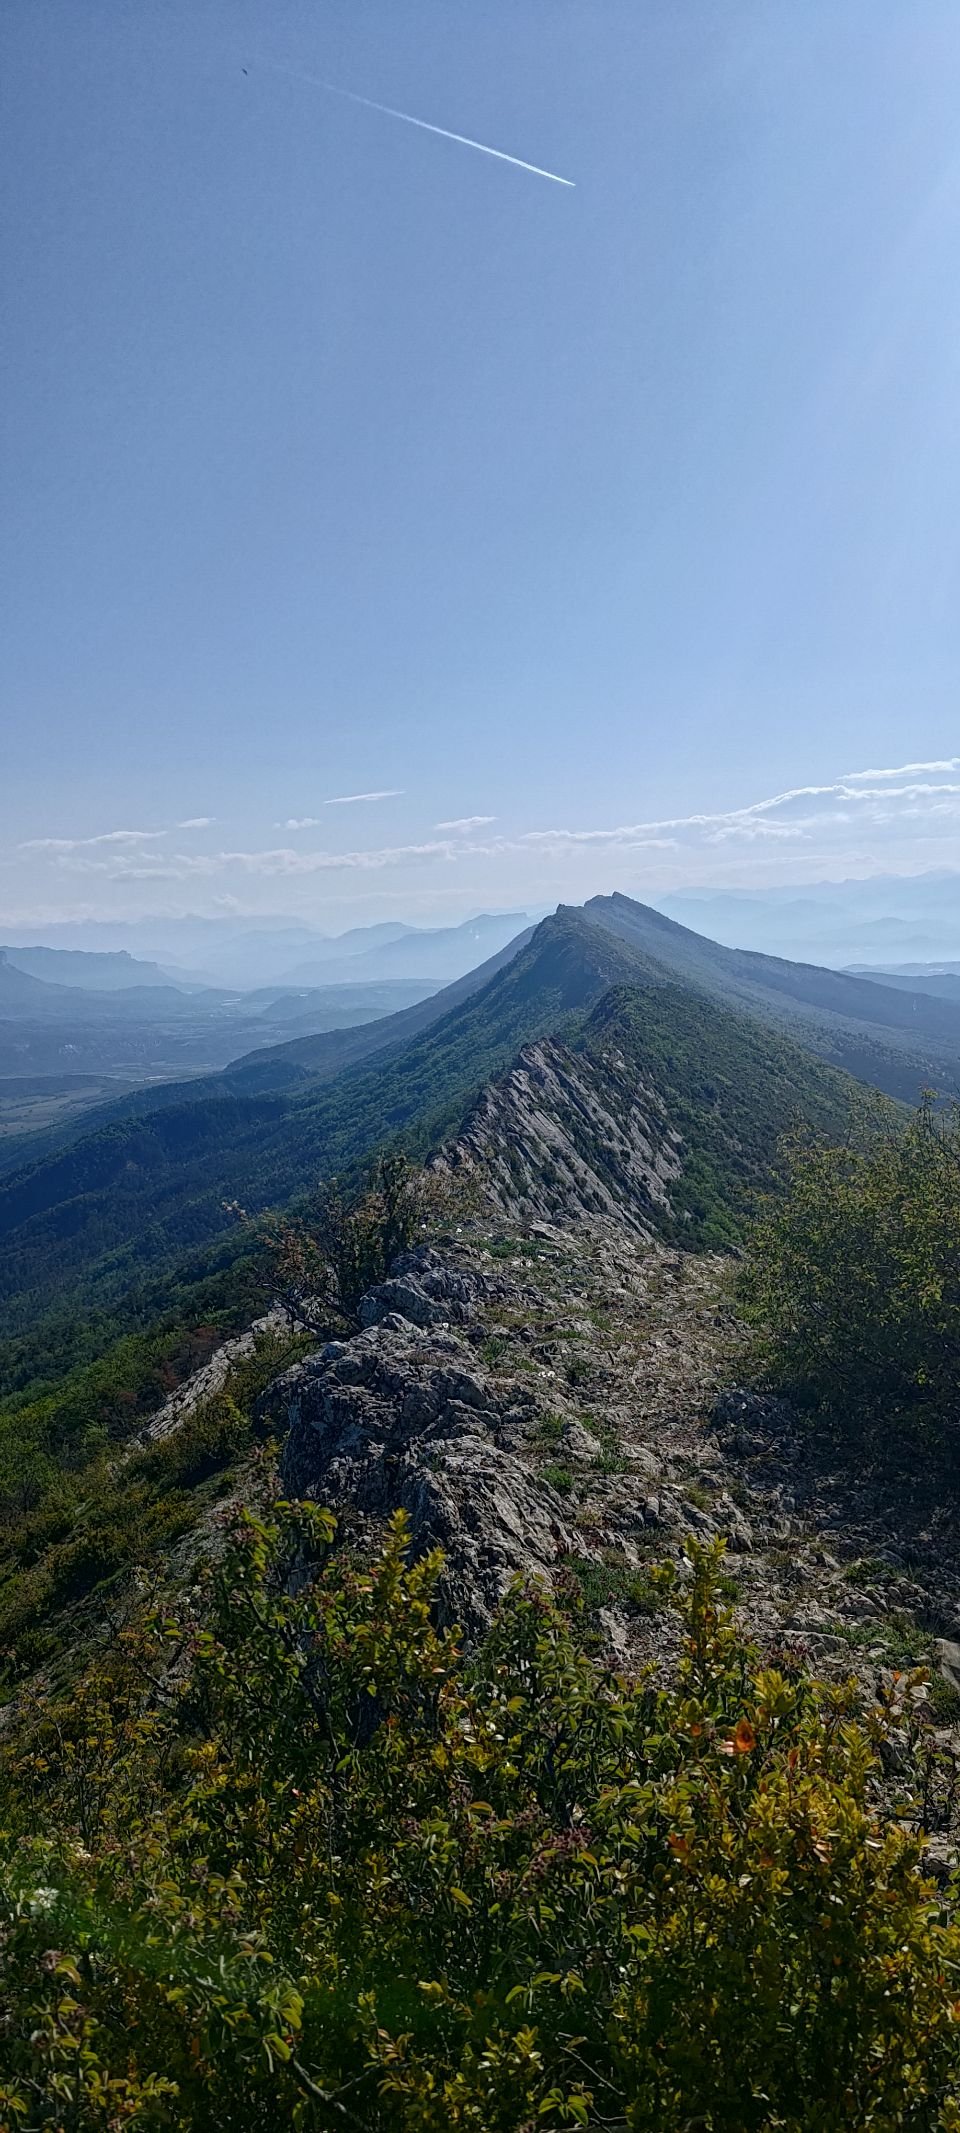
(327, 1053)
(122, 1268)
(152, 1182)
(902, 1042)
(275, 1067)
(662, 1111)
(93, 1238)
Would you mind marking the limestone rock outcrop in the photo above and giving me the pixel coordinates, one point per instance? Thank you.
(404, 1416)
(565, 1135)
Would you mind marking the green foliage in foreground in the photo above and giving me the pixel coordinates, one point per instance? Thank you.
(853, 1279)
(307, 1866)
(119, 1509)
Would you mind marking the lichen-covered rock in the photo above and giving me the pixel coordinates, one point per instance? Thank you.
(580, 1443)
(424, 1289)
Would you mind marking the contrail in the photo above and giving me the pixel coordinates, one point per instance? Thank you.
(369, 104)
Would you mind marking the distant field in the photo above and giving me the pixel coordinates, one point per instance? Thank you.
(31, 1102)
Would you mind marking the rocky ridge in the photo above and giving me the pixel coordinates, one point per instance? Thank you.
(209, 1379)
(564, 1135)
(558, 1401)
(558, 1405)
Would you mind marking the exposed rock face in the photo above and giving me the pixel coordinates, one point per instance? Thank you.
(211, 1378)
(403, 1416)
(425, 1292)
(563, 1135)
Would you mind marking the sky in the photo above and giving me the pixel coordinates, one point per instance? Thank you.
(387, 530)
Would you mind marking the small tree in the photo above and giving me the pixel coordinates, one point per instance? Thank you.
(852, 1280)
(322, 1264)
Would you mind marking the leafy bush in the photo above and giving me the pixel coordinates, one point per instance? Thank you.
(326, 1260)
(206, 1442)
(852, 1281)
(101, 1404)
(309, 1866)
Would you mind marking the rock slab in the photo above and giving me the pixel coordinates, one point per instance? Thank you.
(403, 1416)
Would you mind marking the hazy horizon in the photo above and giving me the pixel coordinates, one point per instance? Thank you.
(882, 920)
(797, 839)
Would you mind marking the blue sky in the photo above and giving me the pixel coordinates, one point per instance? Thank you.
(341, 460)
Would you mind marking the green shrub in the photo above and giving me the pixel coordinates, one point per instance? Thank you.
(326, 1263)
(852, 1281)
(550, 1430)
(597, 1584)
(943, 1702)
(558, 1476)
(203, 1444)
(645, 1592)
(331, 1873)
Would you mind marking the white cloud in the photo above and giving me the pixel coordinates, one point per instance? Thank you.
(122, 837)
(77, 844)
(343, 799)
(122, 866)
(799, 812)
(889, 816)
(905, 770)
(185, 866)
(287, 861)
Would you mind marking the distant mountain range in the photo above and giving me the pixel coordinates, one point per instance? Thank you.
(881, 921)
(899, 1041)
(98, 1221)
(899, 1044)
(446, 953)
(941, 979)
(104, 1011)
(158, 1031)
(243, 956)
(96, 1012)
(86, 970)
(885, 919)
